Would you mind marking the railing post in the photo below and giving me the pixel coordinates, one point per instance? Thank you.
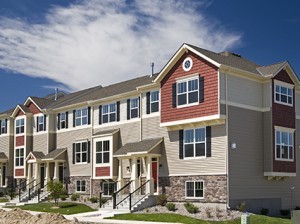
(19, 194)
(38, 195)
(29, 193)
(100, 200)
(114, 200)
(130, 201)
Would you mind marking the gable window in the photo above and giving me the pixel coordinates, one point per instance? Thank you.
(154, 101)
(194, 189)
(80, 186)
(81, 117)
(19, 157)
(194, 142)
(102, 152)
(188, 92)
(108, 188)
(109, 113)
(3, 126)
(81, 152)
(133, 108)
(20, 126)
(41, 123)
(284, 145)
(283, 94)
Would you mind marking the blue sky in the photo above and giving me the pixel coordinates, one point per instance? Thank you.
(77, 44)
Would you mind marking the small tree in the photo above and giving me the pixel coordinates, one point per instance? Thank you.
(56, 189)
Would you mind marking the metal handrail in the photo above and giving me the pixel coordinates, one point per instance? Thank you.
(100, 200)
(25, 188)
(39, 192)
(115, 195)
(130, 206)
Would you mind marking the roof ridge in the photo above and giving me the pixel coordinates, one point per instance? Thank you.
(277, 63)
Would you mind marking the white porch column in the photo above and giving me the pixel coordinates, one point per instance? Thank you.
(55, 177)
(134, 175)
(47, 172)
(36, 175)
(120, 175)
(29, 176)
(150, 184)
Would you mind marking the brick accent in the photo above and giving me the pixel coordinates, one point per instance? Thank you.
(210, 104)
(284, 116)
(102, 171)
(20, 113)
(19, 172)
(215, 188)
(20, 140)
(33, 108)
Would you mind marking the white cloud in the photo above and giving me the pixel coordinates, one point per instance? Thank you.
(101, 42)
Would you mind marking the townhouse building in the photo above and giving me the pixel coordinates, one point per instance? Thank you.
(210, 128)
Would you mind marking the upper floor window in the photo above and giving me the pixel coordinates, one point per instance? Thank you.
(133, 108)
(20, 126)
(62, 122)
(19, 157)
(152, 102)
(187, 92)
(81, 152)
(3, 126)
(41, 123)
(283, 94)
(102, 152)
(109, 113)
(81, 116)
(284, 145)
(194, 189)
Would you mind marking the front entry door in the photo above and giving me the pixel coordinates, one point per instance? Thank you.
(42, 180)
(61, 173)
(154, 173)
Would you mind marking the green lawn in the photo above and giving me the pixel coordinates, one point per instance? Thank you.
(3, 200)
(65, 208)
(255, 219)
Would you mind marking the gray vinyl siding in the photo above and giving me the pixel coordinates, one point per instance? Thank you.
(297, 105)
(65, 140)
(267, 141)
(267, 91)
(297, 134)
(115, 160)
(222, 82)
(246, 163)
(6, 146)
(51, 142)
(40, 143)
(51, 123)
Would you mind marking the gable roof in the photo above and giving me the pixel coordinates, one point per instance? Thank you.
(54, 154)
(3, 157)
(271, 69)
(24, 109)
(106, 132)
(7, 113)
(35, 154)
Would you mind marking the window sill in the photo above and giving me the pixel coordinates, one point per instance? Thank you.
(193, 158)
(284, 160)
(188, 105)
(81, 163)
(194, 197)
(282, 103)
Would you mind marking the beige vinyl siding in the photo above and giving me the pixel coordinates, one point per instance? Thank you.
(172, 165)
(246, 162)
(252, 91)
(66, 140)
(297, 105)
(267, 141)
(51, 123)
(6, 146)
(51, 142)
(40, 143)
(267, 95)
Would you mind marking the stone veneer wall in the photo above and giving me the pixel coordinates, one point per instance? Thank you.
(72, 184)
(215, 188)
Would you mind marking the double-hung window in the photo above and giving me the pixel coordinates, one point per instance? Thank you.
(20, 126)
(284, 145)
(109, 113)
(102, 152)
(19, 157)
(134, 107)
(284, 94)
(194, 189)
(40, 123)
(80, 186)
(187, 92)
(108, 188)
(81, 116)
(154, 101)
(3, 126)
(62, 120)
(81, 152)
(194, 142)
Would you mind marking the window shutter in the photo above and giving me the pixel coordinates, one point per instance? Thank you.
(201, 89)
(0, 127)
(37, 124)
(67, 119)
(208, 141)
(174, 95)
(88, 151)
(148, 102)
(73, 155)
(5, 126)
(180, 144)
(128, 109)
(139, 107)
(100, 114)
(118, 111)
(74, 113)
(58, 121)
(89, 115)
(45, 122)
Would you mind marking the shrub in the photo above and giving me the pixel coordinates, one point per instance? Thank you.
(11, 192)
(191, 208)
(241, 207)
(264, 211)
(162, 199)
(94, 199)
(171, 206)
(63, 197)
(74, 197)
(1, 194)
(284, 212)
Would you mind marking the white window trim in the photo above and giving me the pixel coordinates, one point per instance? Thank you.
(62, 120)
(109, 152)
(108, 183)
(109, 113)
(194, 181)
(80, 142)
(157, 101)
(20, 118)
(81, 181)
(15, 157)
(286, 85)
(4, 125)
(194, 145)
(133, 108)
(38, 124)
(287, 130)
(186, 80)
(81, 117)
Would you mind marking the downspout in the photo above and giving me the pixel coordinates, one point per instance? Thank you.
(141, 116)
(91, 146)
(227, 134)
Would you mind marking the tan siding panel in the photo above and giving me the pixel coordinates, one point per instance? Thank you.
(40, 143)
(267, 91)
(267, 134)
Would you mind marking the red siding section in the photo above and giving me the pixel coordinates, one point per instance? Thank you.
(20, 113)
(284, 116)
(33, 108)
(19, 172)
(210, 104)
(20, 140)
(102, 171)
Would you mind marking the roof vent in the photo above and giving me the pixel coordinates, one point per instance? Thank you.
(227, 53)
(152, 69)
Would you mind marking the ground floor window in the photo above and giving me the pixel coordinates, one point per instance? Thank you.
(80, 186)
(194, 189)
(108, 188)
